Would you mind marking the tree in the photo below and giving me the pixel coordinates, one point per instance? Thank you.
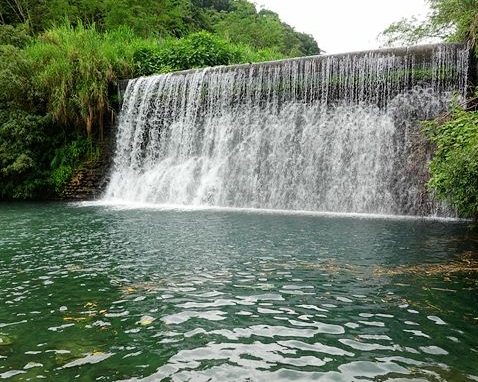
(198, 50)
(449, 20)
(37, 14)
(74, 68)
(218, 5)
(27, 144)
(27, 133)
(263, 29)
(150, 17)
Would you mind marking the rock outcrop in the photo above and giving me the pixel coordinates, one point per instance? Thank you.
(89, 182)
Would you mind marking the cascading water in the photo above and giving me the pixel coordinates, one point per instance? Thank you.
(326, 133)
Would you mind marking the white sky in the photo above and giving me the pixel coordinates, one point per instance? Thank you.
(341, 26)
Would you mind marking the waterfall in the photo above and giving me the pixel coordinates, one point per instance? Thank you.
(334, 133)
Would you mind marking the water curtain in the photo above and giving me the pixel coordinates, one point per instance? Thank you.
(334, 133)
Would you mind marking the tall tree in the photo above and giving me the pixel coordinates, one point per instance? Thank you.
(449, 20)
(263, 29)
(150, 17)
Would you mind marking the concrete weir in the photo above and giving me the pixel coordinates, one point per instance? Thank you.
(417, 68)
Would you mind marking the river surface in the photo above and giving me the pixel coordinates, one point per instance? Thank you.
(98, 293)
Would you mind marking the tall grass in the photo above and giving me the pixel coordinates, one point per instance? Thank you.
(76, 65)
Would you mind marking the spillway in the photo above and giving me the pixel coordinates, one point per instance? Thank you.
(336, 133)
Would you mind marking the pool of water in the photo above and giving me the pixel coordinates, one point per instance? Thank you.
(96, 293)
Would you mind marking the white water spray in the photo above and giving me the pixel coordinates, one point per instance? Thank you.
(326, 133)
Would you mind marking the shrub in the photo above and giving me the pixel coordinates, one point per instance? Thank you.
(26, 148)
(15, 36)
(147, 61)
(454, 168)
(198, 50)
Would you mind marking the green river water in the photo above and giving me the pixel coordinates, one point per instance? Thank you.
(96, 293)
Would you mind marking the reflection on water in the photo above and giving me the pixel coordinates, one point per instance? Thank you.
(94, 293)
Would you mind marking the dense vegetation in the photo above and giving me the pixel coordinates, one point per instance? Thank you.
(61, 59)
(454, 168)
(234, 20)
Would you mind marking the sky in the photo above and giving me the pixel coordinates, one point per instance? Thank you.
(341, 26)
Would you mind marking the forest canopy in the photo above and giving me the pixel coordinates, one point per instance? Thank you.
(235, 20)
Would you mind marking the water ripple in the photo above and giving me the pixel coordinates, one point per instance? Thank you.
(220, 296)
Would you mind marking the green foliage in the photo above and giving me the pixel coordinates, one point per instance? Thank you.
(262, 29)
(60, 177)
(198, 50)
(147, 60)
(449, 20)
(217, 5)
(75, 67)
(454, 168)
(16, 36)
(246, 54)
(16, 87)
(69, 157)
(41, 15)
(16, 68)
(26, 145)
(26, 136)
(150, 17)
(235, 20)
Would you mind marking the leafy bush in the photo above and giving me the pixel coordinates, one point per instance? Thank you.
(147, 61)
(16, 85)
(198, 50)
(454, 168)
(26, 148)
(247, 54)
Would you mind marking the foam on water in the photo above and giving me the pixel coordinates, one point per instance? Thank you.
(118, 204)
